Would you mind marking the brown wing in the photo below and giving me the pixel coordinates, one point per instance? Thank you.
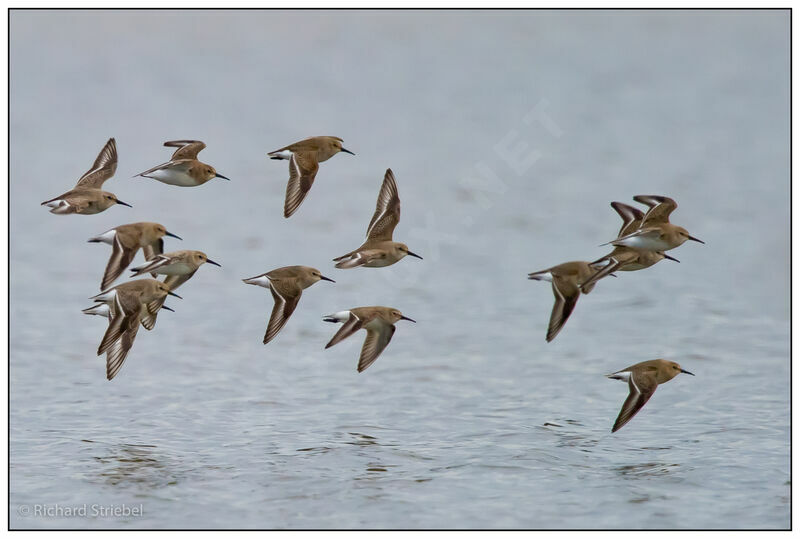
(174, 281)
(641, 388)
(154, 249)
(387, 210)
(566, 296)
(611, 266)
(187, 149)
(179, 165)
(103, 168)
(374, 344)
(303, 167)
(285, 304)
(121, 332)
(660, 208)
(153, 263)
(121, 258)
(652, 234)
(148, 318)
(352, 325)
(631, 217)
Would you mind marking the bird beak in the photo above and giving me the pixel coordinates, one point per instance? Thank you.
(171, 293)
(686, 372)
(697, 240)
(171, 235)
(124, 203)
(167, 308)
(212, 262)
(221, 176)
(414, 255)
(670, 258)
(326, 279)
(347, 151)
(407, 318)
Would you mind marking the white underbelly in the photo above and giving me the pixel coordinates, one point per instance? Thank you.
(173, 177)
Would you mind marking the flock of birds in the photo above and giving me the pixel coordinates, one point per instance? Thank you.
(640, 243)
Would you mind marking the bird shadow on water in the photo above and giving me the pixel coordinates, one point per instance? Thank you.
(571, 433)
(136, 465)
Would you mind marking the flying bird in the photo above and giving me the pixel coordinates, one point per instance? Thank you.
(287, 285)
(183, 169)
(86, 198)
(379, 250)
(377, 321)
(643, 379)
(304, 159)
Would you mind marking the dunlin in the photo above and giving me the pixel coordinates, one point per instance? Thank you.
(626, 258)
(86, 198)
(287, 285)
(304, 159)
(183, 169)
(126, 241)
(379, 250)
(178, 266)
(643, 379)
(567, 280)
(656, 233)
(128, 304)
(377, 321)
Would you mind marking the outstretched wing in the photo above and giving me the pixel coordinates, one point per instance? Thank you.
(285, 304)
(303, 167)
(641, 388)
(153, 250)
(374, 344)
(103, 168)
(178, 166)
(121, 332)
(148, 318)
(660, 208)
(387, 210)
(153, 263)
(612, 264)
(352, 325)
(631, 217)
(187, 149)
(566, 296)
(121, 258)
(174, 281)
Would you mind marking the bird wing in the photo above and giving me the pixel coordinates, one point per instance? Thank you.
(631, 217)
(660, 208)
(103, 168)
(187, 149)
(303, 167)
(352, 325)
(121, 332)
(121, 258)
(358, 258)
(611, 266)
(148, 317)
(641, 388)
(179, 165)
(285, 303)
(174, 281)
(650, 234)
(153, 263)
(374, 344)
(387, 210)
(153, 250)
(566, 297)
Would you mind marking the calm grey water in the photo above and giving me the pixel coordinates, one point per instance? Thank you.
(509, 134)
